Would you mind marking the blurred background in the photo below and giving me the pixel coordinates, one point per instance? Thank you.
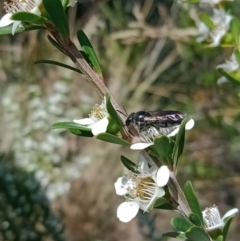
(56, 186)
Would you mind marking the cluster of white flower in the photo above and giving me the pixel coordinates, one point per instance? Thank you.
(229, 66)
(221, 21)
(39, 152)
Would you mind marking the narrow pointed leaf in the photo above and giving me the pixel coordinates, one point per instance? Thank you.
(192, 200)
(164, 147)
(195, 219)
(113, 113)
(69, 125)
(219, 238)
(181, 224)
(229, 77)
(65, 3)
(235, 29)
(8, 29)
(152, 152)
(207, 20)
(53, 62)
(81, 132)
(226, 227)
(29, 17)
(179, 143)
(89, 50)
(193, 1)
(175, 235)
(129, 164)
(56, 11)
(162, 203)
(197, 234)
(55, 44)
(112, 139)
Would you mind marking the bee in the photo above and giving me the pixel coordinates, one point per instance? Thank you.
(161, 122)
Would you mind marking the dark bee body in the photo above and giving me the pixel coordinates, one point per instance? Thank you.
(160, 120)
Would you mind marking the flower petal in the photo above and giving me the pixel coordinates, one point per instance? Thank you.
(141, 146)
(230, 213)
(36, 11)
(119, 186)
(159, 192)
(190, 124)
(84, 122)
(127, 211)
(15, 25)
(163, 176)
(219, 225)
(100, 126)
(5, 20)
(142, 162)
(174, 132)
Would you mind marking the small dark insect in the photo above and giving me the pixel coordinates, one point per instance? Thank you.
(160, 120)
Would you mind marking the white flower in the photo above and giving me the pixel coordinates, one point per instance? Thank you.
(221, 20)
(140, 189)
(149, 135)
(212, 218)
(98, 119)
(229, 66)
(18, 6)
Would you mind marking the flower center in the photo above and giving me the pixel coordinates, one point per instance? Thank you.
(15, 6)
(212, 216)
(139, 187)
(98, 112)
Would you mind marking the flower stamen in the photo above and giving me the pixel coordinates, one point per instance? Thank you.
(19, 5)
(212, 216)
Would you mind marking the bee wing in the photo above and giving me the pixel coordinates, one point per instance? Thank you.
(162, 115)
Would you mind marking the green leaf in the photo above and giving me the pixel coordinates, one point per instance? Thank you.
(8, 29)
(81, 132)
(175, 235)
(164, 147)
(229, 77)
(152, 151)
(55, 44)
(195, 219)
(113, 113)
(181, 224)
(235, 30)
(179, 143)
(192, 200)
(219, 238)
(112, 139)
(226, 227)
(129, 164)
(193, 1)
(70, 125)
(89, 50)
(65, 3)
(29, 17)
(207, 20)
(56, 11)
(197, 234)
(53, 62)
(160, 202)
(74, 128)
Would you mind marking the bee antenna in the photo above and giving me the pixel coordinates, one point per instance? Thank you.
(125, 114)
